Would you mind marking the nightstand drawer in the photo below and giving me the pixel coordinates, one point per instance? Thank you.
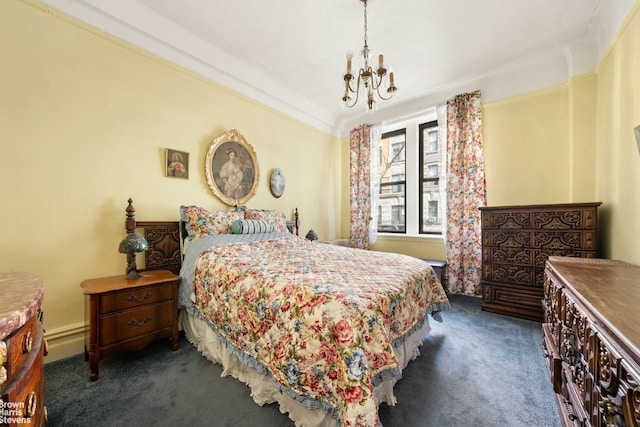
(133, 298)
(129, 324)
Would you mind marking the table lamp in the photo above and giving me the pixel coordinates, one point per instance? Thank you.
(131, 245)
(312, 235)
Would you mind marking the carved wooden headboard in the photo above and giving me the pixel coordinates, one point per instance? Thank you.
(165, 239)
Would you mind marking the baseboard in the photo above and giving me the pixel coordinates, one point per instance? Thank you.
(65, 342)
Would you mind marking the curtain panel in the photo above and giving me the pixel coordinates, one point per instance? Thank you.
(466, 193)
(360, 186)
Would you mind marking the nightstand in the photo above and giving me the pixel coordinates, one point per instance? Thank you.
(129, 314)
(440, 268)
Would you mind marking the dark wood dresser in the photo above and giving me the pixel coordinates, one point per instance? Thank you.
(22, 349)
(591, 340)
(516, 242)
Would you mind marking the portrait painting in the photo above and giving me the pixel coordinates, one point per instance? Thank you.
(232, 168)
(177, 164)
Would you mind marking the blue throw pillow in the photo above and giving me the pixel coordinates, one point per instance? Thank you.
(251, 226)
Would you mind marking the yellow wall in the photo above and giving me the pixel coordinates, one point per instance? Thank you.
(540, 147)
(618, 157)
(85, 121)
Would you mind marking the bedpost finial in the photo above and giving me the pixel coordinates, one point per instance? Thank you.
(130, 223)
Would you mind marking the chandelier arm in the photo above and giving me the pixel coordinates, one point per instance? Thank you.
(376, 79)
(356, 91)
(352, 90)
(381, 96)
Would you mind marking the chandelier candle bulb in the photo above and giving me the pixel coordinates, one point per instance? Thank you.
(380, 61)
(349, 56)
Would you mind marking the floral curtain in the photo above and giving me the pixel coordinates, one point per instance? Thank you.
(374, 191)
(466, 193)
(360, 186)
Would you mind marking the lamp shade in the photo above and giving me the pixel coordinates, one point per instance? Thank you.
(311, 235)
(133, 243)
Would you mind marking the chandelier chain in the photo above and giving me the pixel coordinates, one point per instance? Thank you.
(365, 23)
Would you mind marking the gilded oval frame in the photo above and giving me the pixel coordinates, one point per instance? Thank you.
(231, 168)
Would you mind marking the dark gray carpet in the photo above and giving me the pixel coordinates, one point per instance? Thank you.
(475, 369)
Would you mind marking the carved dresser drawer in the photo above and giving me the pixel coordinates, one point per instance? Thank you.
(129, 314)
(592, 335)
(22, 349)
(516, 242)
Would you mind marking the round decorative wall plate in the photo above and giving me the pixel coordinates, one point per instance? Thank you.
(277, 182)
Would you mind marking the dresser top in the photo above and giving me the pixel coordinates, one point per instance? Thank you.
(542, 207)
(20, 299)
(609, 290)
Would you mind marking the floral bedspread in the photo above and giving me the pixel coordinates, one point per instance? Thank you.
(321, 318)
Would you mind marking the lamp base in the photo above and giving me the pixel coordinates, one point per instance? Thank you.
(133, 275)
(132, 269)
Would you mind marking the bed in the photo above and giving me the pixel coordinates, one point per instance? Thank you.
(323, 330)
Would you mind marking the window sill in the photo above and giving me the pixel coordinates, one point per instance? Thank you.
(398, 236)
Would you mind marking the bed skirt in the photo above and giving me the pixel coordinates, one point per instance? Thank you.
(265, 390)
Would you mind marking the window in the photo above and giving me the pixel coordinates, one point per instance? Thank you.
(412, 181)
(391, 169)
(397, 188)
(430, 204)
(397, 214)
(397, 151)
(432, 140)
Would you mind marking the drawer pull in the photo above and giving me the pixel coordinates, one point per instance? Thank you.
(31, 405)
(27, 342)
(134, 298)
(134, 322)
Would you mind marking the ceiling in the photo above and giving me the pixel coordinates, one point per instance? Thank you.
(290, 54)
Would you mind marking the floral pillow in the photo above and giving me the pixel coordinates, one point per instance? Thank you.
(203, 222)
(277, 218)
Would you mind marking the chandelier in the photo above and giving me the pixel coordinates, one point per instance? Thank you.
(370, 81)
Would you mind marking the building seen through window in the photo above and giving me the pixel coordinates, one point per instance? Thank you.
(431, 190)
(392, 166)
(424, 192)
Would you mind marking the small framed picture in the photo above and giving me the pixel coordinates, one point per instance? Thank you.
(637, 132)
(177, 164)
